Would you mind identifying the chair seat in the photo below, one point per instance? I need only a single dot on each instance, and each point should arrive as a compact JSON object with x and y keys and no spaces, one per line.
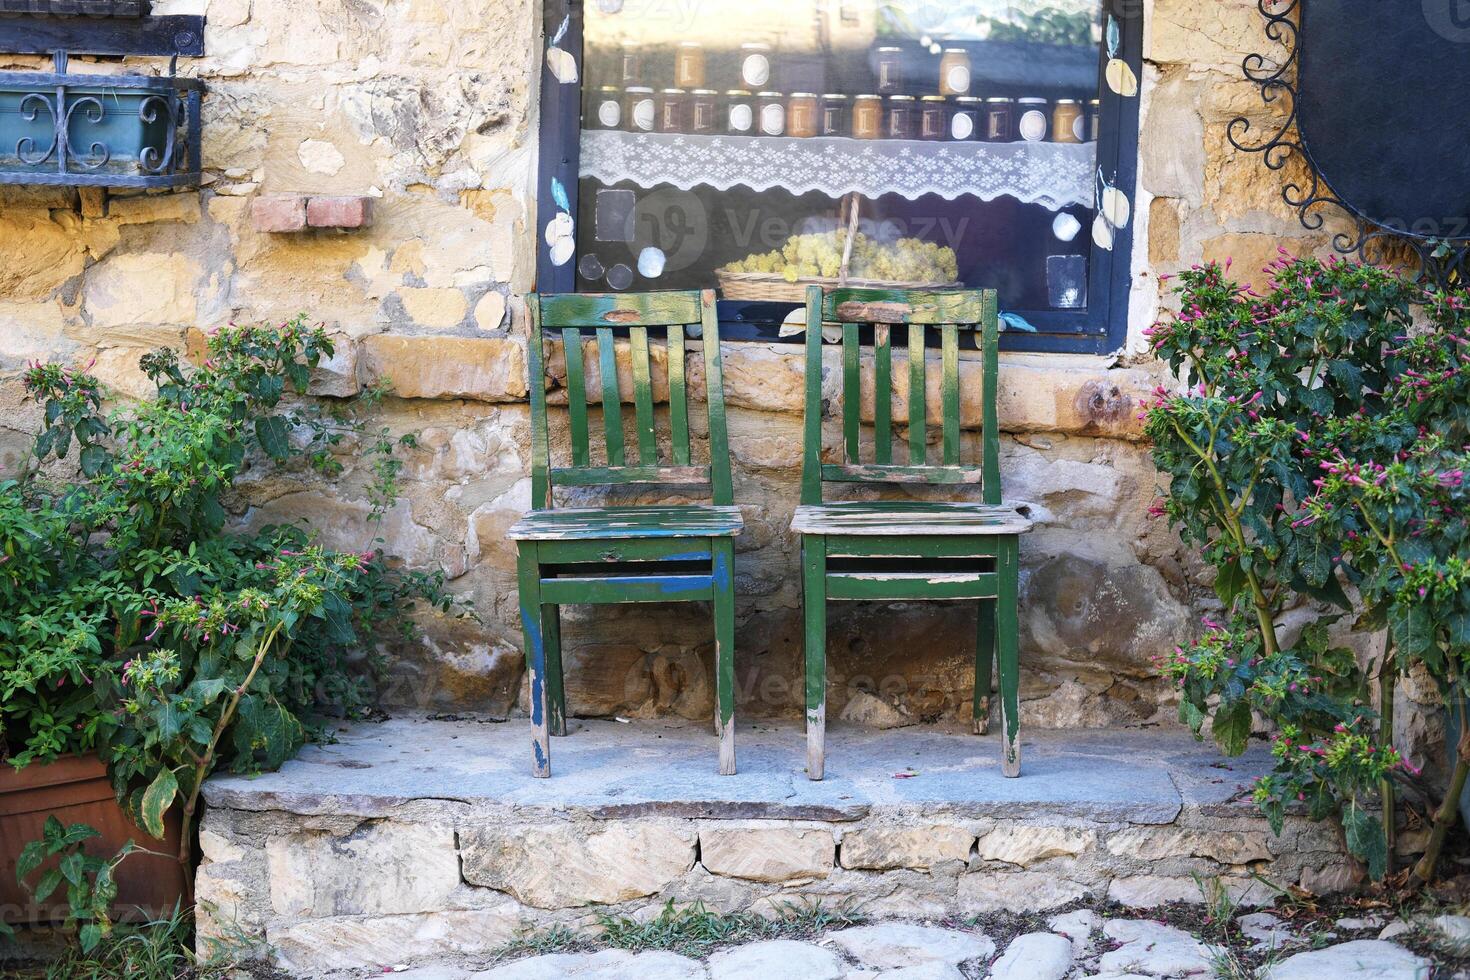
{"x":908,"y":517}
{"x":599,"y":523}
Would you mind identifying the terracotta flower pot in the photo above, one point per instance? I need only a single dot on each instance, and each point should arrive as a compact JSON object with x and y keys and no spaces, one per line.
{"x":76,"y":790}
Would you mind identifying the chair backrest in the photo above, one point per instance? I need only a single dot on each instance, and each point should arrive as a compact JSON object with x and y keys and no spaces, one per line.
{"x":608,"y":321}
{"x":950,"y":313}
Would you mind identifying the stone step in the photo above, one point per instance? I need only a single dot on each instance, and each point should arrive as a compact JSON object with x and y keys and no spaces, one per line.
{"x":416,"y":839}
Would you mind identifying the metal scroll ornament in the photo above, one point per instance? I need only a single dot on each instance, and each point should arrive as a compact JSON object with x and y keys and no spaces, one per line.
{"x":1440,"y":254}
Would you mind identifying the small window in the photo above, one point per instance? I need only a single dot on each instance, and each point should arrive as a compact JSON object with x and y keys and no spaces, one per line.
{"x":760,"y":145}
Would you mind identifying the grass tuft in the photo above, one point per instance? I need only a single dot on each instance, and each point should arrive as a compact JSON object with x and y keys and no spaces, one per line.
{"x":696,"y":932}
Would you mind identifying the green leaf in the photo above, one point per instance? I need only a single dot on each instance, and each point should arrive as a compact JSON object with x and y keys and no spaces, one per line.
{"x":272,"y":433}
{"x":1365,"y":841}
{"x":1191,"y":715}
{"x":265,"y":733}
{"x":1229,"y":580}
{"x":1412,"y":628}
{"x":1459,"y":626}
{"x":72,"y":867}
{"x":90,"y":935}
{"x":105,"y":889}
{"x":30,"y":859}
{"x":48,"y":883}
{"x":94,"y":458}
{"x":1233,"y":727}
{"x":157,"y":798}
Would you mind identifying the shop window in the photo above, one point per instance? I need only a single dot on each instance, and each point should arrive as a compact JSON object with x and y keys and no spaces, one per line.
{"x":759,"y":145}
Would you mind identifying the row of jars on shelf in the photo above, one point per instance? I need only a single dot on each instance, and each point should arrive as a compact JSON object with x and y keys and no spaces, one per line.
{"x":999,"y":119}
{"x":758,"y":68}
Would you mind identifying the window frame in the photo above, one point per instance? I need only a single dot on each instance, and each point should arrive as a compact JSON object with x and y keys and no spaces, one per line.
{"x":1100,"y":329}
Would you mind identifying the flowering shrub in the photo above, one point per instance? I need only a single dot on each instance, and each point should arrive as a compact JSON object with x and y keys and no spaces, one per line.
{"x":1322,"y":440}
{"x":139,"y":625}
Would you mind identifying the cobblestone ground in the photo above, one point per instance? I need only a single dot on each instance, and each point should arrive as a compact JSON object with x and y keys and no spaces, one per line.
{"x":1070,"y":946}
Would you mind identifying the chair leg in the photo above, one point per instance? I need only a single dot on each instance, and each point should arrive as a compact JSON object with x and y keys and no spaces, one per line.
{"x":814,"y":606}
{"x":984,"y":665}
{"x":1007,"y":633}
{"x":529,"y":574}
{"x":724,"y":603}
{"x":556,"y":698}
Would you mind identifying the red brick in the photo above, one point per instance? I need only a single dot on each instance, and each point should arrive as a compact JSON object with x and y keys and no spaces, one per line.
{"x":275,"y":213}
{"x":339,"y":212}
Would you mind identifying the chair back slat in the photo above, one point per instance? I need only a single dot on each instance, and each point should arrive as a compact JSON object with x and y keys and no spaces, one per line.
{"x":612,"y":402}
{"x":643,"y":396}
{"x":949,"y":314}
{"x":917,"y":413}
{"x":852,"y":395}
{"x":721,"y":488}
{"x":882,"y":395}
{"x":678,"y":398}
{"x":606,"y":320}
{"x":989,"y":417}
{"x":950,"y":392}
{"x":576,"y":396}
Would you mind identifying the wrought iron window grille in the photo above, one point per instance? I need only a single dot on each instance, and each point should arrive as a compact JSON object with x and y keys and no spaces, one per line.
{"x":1443,"y":259}
{"x":80,"y":130}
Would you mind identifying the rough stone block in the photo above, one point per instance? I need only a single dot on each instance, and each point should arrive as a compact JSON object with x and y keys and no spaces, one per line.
{"x":380,"y":868}
{"x":886,"y":848}
{"x":1025,"y":845}
{"x":567,"y":865}
{"x":1029,"y":891}
{"x":767,"y":853}
{"x":378,"y":942}
{"x":339,"y":212}
{"x":487,"y":369}
{"x":278,"y":213}
{"x":1158,"y":843}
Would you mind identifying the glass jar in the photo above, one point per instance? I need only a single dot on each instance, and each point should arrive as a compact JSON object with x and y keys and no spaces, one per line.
{"x":672,"y":110}
{"x":1031,"y":119}
{"x":1094,"y":119}
{"x":755,"y":66}
{"x":834,"y":115}
{"x":933,"y":117}
{"x":801,"y":115}
{"x":867,"y":117}
{"x":888,"y":70}
{"x":607,"y":107}
{"x":638,"y":114}
{"x":954,"y":72}
{"x":999,"y":124}
{"x":899,"y":122}
{"x":964,"y":118}
{"x":1068,"y":121}
{"x":632,"y":70}
{"x":703,"y":114}
{"x":739,"y":112}
{"x":689,"y":65}
{"x":770,"y":109}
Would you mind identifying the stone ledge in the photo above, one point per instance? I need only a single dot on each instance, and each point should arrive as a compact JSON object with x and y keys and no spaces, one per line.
{"x":1072,"y":396}
{"x":486,"y":369}
{"x":455,"y":848}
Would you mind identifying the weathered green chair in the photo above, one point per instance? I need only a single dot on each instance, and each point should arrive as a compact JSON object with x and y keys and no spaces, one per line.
{"x":913,"y":549}
{"x":616,"y":554}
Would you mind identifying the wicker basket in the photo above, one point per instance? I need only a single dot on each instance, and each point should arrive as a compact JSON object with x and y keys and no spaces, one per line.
{"x":773,"y":288}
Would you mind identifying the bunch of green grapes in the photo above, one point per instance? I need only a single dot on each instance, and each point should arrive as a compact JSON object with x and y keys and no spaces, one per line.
{"x":820,"y":254}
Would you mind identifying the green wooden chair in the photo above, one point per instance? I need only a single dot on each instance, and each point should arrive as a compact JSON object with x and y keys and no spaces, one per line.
{"x":912,"y":549}
{"x":615,"y":554}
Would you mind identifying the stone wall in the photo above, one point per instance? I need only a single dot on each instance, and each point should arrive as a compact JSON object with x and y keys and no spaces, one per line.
{"x":428,"y":107}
